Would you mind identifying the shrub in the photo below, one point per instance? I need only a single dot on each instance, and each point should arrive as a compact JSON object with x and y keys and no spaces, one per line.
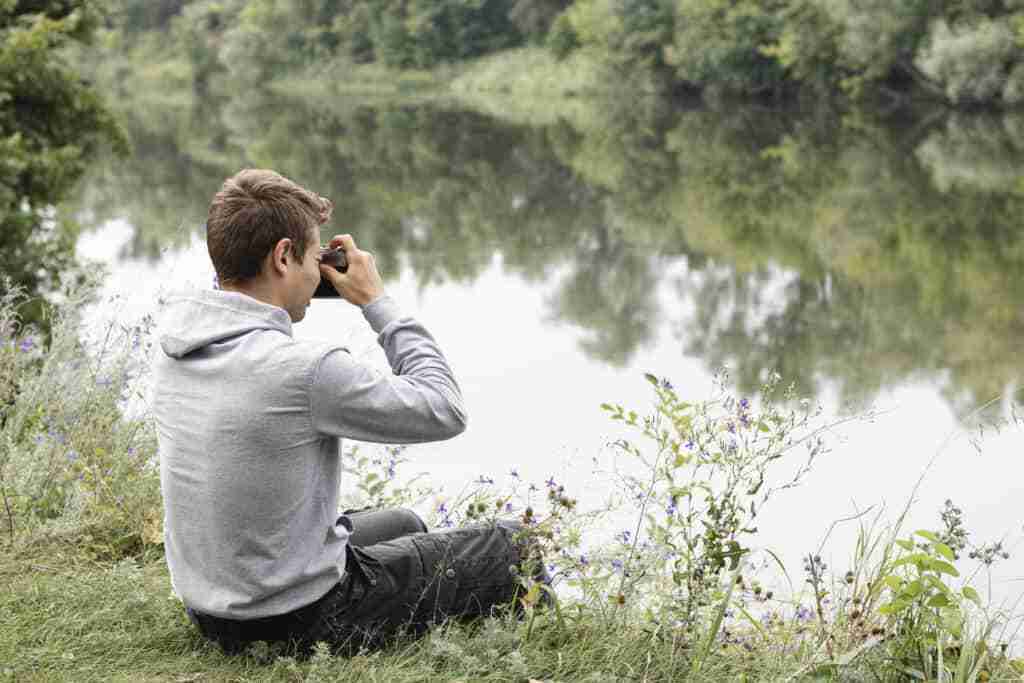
{"x":68,"y":452}
{"x":970,"y":63}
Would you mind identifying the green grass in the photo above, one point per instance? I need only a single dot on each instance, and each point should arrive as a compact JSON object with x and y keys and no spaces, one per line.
{"x":71,"y":618}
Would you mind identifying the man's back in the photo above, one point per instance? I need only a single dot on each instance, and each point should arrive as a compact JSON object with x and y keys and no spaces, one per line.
{"x":249,"y":420}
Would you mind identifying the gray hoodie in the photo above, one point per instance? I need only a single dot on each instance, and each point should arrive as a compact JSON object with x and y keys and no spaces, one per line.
{"x":249,"y":422}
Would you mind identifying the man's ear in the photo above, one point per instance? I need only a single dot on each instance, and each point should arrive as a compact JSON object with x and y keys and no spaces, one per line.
{"x":279,"y":256}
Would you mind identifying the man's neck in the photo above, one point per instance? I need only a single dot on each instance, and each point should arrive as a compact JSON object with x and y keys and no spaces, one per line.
{"x":257,"y":289}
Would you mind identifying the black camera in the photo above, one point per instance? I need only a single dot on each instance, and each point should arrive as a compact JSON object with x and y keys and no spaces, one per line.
{"x":336,"y":259}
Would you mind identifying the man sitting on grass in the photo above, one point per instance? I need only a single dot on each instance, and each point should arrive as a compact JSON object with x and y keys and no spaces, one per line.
{"x":250,"y":422}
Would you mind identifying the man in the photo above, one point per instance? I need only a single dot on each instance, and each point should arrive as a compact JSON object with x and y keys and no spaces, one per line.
{"x":249,"y":424}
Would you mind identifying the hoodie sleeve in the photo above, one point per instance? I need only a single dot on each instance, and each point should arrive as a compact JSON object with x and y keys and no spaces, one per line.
{"x":420,"y":402}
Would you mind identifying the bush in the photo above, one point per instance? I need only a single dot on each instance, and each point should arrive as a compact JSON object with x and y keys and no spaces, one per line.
{"x":970,"y":63}
{"x":68,"y":453}
{"x":562,"y":39}
{"x":722,"y":43}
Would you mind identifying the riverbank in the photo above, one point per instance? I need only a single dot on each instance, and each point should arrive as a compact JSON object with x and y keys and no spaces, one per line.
{"x":71,"y":617}
{"x":525,"y":86}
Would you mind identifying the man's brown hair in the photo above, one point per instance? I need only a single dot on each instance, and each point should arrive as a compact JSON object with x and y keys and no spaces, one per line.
{"x":252,"y":212}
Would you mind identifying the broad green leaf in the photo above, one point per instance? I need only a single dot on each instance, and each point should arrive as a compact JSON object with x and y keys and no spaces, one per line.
{"x":916,"y":558}
{"x":651,"y":378}
{"x":906,"y":545}
{"x":972,"y":595}
{"x":944,"y":568}
{"x":939,"y":600}
{"x":945,"y":551}
{"x":894,"y":582}
{"x":929,"y":535}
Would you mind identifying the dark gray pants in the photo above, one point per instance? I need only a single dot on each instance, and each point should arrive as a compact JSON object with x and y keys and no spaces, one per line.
{"x":399,"y":579}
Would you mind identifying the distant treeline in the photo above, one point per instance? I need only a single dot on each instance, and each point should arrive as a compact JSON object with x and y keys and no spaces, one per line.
{"x":965,"y":52}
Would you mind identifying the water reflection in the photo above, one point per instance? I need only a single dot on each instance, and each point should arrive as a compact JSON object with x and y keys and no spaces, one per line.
{"x":852,"y":254}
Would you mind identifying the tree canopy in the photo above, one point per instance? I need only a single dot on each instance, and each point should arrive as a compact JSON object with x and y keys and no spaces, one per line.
{"x":52,"y":123}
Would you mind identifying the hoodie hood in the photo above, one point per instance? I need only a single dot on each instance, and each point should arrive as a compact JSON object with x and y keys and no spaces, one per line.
{"x":197,"y":319}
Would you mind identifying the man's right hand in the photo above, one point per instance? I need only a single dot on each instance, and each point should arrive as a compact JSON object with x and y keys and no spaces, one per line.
{"x":360,"y":284}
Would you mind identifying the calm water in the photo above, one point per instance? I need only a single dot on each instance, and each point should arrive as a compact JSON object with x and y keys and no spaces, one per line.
{"x":557,"y":260}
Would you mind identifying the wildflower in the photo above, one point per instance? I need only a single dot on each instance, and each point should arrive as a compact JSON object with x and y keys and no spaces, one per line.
{"x":665,"y":384}
{"x":442,"y":509}
{"x":584,"y":561}
{"x":689,"y":445}
{"x":625,"y":536}
{"x":508,"y":507}
{"x":671,"y":510}
{"x":744,"y":404}
{"x":551,"y":483}
{"x":804,"y":613}
{"x":72,"y":455}
{"x":617,"y":565}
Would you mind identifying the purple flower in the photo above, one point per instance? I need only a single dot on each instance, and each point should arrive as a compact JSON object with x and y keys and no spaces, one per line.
{"x":442,"y":509}
{"x":72,"y":455}
{"x":689,"y":445}
{"x":27,"y":344}
{"x":617,"y":565}
{"x":671,"y":509}
{"x":583,"y":560}
{"x":804,"y":613}
{"x":551,"y":483}
{"x":625,"y":536}
{"x":508,"y":507}
{"x":744,"y":404}
{"x":513,"y":473}
{"x":216,"y":281}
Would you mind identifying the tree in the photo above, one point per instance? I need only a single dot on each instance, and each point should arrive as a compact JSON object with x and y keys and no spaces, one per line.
{"x":52,"y":124}
{"x":534,"y":17}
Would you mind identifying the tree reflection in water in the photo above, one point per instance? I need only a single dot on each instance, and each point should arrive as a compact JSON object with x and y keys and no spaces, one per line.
{"x":842,"y":250}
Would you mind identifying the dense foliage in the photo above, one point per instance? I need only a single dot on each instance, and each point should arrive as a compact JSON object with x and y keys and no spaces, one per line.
{"x":964,"y":52}
{"x":51,"y":126}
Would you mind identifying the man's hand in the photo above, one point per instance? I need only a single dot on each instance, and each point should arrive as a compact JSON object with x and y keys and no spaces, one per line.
{"x":361,"y":283}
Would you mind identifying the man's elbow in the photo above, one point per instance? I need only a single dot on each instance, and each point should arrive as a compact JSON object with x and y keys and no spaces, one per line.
{"x":457,"y":421}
